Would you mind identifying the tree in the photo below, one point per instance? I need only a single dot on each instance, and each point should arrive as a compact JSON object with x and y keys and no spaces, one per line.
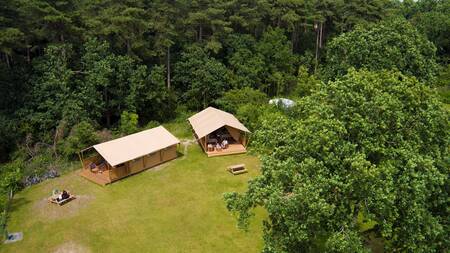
{"x":128,"y":123}
{"x":247,"y":66}
{"x":372,"y":145}
{"x":279,"y":62}
{"x":200,"y":78}
{"x":392,"y":44}
{"x":123,"y":24}
{"x":81,"y":136}
{"x":52,"y":98}
{"x":235,"y":98}
{"x":432,"y":19}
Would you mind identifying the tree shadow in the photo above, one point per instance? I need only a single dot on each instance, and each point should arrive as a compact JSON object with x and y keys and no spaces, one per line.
{"x":17,"y":202}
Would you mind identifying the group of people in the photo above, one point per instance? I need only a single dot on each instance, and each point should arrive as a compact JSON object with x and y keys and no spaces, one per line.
{"x":218,"y":146}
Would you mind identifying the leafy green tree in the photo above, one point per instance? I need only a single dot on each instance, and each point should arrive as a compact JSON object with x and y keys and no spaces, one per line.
{"x":207,"y":22}
{"x":246,"y":65}
{"x":128,"y":123}
{"x":200,"y":78}
{"x":431,"y":18}
{"x":81,"y":136}
{"x":392,"y":44}
{"x":279,"y":62}
{"x":306,"y":83}
{"x":235,"y":98}
{"x":157,"y":101}
{"x":371,"y":144}
{"x":123,"y":24}
{"x":52,"y":98}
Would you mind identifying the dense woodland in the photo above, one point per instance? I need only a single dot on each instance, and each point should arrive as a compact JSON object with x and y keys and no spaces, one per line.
{"x":369,"y":135}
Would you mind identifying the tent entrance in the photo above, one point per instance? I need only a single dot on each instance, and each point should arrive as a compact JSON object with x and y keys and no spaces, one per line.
{"x":224,"y":141}
{"x":94,"y":166}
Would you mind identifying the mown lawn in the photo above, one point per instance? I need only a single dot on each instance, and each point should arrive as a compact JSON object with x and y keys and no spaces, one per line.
{"x":176,"y":207}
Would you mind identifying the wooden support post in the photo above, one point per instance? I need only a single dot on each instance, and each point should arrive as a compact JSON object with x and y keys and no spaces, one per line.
{"x":81,"y":159}
{"x":109,"y":171}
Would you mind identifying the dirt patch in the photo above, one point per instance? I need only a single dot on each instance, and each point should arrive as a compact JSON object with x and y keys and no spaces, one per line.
{"x":52,"y":211}
{"x":186,"y":144}
{"x":71,"y":247}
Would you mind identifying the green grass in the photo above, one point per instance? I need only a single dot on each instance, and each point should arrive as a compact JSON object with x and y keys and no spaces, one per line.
{"x":177,"y":207}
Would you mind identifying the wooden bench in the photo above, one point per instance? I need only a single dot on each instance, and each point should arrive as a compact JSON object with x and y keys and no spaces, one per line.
{"x":237,"y":169}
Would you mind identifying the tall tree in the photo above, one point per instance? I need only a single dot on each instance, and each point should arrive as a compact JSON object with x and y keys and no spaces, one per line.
{"x":386,"y":45}
{"x":200,"y":78}
{"x":368,"y":151}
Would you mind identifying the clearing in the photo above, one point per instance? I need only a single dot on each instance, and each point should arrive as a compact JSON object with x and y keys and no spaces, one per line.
{"x":177,"y":207}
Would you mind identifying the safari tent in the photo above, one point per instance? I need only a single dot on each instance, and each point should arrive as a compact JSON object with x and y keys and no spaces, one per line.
{"x":213,"y":127}
{"x":107,"y":162}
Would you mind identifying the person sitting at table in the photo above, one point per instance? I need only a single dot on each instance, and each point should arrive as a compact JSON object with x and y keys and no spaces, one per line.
{"x":218,"y":147}
{"x":64,"y":195}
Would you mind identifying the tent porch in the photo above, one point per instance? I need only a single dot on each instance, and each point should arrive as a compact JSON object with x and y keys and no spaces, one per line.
{"x":237,"y":141}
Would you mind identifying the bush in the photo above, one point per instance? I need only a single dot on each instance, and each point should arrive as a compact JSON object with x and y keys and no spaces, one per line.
{"x":152,"y":124}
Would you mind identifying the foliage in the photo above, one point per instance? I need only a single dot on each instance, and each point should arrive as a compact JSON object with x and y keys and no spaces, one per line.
{"x":81,"y":136}
{"x":306,"y":83}
{"x":11,"y":175}
{"x":431,"y":18}
{"x":200,"y":78}
{"x":245,"y":63}
{"x":391,"y":44}
{"x":128,"y":123}
{"x":235,"y":98}
{"x":371,"y":143}
{"x":267,"y":64}
{"x":278,"y":73}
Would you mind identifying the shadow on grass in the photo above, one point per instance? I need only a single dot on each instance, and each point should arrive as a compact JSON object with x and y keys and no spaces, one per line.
{"x":17,"y":202}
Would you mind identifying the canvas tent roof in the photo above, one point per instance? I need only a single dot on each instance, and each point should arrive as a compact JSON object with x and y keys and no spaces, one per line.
{"x":211,"y":119}
{"x":135,"y":145}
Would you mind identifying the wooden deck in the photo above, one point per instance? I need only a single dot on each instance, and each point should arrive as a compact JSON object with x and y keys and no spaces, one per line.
{"x":231,"y":150}
{"x":98,"y":178}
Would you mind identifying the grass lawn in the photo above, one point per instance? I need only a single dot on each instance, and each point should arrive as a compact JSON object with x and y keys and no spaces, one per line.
{"x":176,"y":207}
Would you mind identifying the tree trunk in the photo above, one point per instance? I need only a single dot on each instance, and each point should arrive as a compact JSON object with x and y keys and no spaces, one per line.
{"x":28,"y":55}
{"x":168,"y":67}
{"x":200,"y":33}
{"x":128,"y":46}
{"x":107,"y":114}
{"x":7,"y":60}
{"x":317,"y":50}
{"x":321,"y":35}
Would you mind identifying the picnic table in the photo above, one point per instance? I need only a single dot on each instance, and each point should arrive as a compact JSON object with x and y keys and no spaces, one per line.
{"x":237,"y":169}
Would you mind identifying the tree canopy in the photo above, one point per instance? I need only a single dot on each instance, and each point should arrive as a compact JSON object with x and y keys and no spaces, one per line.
{"x":386,"y":45}
{"x":371,"y":145}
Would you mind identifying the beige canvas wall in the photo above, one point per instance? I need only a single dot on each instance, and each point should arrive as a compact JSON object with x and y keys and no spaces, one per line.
{"x":234,"y":133}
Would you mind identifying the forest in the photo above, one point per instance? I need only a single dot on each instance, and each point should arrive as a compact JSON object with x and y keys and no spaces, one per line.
{"x":369,"y":133}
